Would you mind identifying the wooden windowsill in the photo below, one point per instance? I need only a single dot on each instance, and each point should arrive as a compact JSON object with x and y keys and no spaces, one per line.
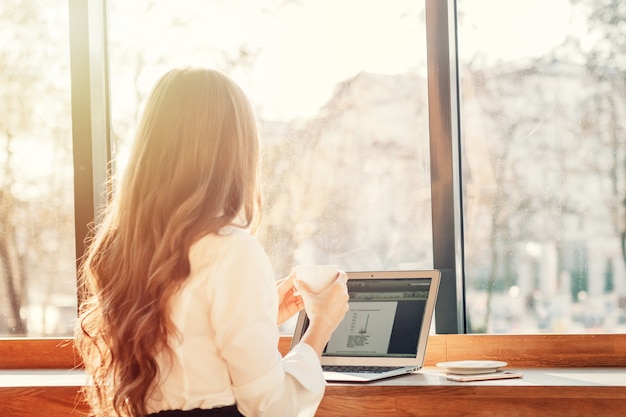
{"x":537,"y":350}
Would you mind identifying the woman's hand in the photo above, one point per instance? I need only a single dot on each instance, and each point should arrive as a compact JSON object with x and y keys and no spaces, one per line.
{"x":325,"y":310}
{"x":289,"y":303}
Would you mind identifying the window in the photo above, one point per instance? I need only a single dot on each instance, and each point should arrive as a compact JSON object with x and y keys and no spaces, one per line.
{"x":37,"y":251}
{"x":515,"y":189}
{"x":544,"y":165}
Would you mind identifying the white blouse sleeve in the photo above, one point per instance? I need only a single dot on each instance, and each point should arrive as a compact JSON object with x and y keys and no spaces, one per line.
{"x":244,"y":308}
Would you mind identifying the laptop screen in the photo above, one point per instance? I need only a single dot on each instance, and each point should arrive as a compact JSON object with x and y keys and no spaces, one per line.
{"x":384,"y":320}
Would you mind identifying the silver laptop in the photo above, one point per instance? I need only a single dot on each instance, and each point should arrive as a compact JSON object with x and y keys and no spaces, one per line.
{"x":384,"y":334}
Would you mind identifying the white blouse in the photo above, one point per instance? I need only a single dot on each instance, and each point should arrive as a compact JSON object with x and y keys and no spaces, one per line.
{"x":226,"y":351}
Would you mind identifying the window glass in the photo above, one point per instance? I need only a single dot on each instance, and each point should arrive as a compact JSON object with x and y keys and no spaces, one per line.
{"x":543,"y":128}
{"x":340,"y":92}
{"x":37,"y":249}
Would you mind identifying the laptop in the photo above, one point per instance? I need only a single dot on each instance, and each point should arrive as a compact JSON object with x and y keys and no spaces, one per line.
{"x":384,"y":334}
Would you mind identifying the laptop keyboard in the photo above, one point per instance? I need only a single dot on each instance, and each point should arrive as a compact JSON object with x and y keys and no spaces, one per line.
{"x":359,"y":369}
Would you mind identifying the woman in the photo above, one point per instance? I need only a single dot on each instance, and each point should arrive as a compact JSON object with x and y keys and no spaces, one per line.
{"x":181,"y":308}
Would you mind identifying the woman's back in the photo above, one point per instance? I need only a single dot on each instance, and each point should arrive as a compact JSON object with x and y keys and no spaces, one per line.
{"x":225,"y":310}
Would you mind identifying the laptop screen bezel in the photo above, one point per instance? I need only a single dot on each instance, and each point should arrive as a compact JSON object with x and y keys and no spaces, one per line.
{"x":417,"y":361}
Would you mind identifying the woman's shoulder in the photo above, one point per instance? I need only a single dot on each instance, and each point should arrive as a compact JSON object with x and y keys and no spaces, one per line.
{"x":228,"y":239}
{"x":231,"y":250}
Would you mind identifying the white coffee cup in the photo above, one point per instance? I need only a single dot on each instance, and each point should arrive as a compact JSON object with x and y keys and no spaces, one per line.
{"x":317,"y":277}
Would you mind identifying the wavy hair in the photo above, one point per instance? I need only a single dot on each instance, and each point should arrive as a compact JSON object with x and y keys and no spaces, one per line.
{"x":193,"y":170}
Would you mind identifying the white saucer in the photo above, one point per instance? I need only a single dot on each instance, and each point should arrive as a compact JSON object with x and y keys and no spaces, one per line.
{"x":471,"y":367}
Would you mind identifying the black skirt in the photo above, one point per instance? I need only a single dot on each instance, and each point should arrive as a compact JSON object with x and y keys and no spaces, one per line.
{"x":228,"y":411}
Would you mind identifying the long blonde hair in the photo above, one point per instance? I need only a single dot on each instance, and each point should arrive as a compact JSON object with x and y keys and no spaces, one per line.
{"x":192,"y":171}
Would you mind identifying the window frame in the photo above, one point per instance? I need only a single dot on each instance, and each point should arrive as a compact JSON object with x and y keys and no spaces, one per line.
{"x":445,"y":164}
{"x":91,"y":126}
{"x":92,"y":155}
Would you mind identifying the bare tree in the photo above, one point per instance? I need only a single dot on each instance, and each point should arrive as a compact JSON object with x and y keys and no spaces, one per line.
{"x":496,"y":189}
{"x":606,"y":61}
{"x":12,"y":272}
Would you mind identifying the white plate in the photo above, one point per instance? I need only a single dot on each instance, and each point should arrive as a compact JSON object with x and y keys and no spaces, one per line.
{"x":471,"y":367}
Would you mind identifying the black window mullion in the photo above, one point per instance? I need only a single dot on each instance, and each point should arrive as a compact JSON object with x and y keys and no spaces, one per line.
{"x":445,"y":164}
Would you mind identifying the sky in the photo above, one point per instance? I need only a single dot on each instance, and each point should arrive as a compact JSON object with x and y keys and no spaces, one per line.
{"x":508,"y":30}
{"x":303,"y":49}
{"x":513,"y":29}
